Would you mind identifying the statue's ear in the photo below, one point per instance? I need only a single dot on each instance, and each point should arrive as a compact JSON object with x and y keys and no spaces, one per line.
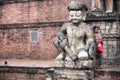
{"x":84,"y":15}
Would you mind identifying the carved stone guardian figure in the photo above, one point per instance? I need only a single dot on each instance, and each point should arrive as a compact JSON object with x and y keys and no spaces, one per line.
{"x":75,"y":37}
{"x":75,"y":44}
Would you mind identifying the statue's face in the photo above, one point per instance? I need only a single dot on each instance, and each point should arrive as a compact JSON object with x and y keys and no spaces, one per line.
{"x":76,"y":16}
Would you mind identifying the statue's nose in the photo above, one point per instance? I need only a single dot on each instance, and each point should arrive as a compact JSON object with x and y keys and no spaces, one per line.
{"x":73,"y":17}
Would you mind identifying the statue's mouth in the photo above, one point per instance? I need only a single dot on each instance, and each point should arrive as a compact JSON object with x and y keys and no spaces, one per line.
{"x":75,"y":21}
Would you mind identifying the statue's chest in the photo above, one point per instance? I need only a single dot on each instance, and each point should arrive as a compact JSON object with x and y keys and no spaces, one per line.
{"x":75,"y":32}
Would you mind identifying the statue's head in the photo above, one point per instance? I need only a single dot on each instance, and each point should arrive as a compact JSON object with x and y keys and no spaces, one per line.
{"x":77,"y":11}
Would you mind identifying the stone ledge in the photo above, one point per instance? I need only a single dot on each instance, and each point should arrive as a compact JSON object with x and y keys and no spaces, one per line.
{"x":109,"y":72}
{"x":22,"y":70}
{"x":15,"y":1}
{"x":31,"y":25}
{"x":21,"y":73}
{"x":30,"y":63}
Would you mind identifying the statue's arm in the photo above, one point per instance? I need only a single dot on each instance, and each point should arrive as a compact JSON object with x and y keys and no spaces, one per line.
{"x":89,"y":37}
{"x":63,"y":37}
{"x":63,"y":29}
{"x":59,"y":40}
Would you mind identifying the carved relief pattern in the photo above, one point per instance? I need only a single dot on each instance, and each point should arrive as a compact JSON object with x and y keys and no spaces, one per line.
{"x":107,"y":27}
{"x":112,"y":48}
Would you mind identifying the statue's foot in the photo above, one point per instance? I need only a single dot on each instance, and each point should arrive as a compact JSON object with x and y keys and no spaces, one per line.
{"x":60,"y":57}
{"x":108,"y":11}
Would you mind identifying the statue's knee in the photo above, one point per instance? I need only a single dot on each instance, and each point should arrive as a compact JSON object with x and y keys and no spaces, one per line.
{"x":82,"y":55}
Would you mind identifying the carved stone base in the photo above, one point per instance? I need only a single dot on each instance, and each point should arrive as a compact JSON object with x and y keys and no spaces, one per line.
{"x":64,"y":73}
{"x":77,"y":64}
{"x":73,"y":70}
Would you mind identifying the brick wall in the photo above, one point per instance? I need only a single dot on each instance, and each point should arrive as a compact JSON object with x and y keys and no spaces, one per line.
{"x":37,"y":11}
{"x":22,"y":73}
{"x":16,"y":43}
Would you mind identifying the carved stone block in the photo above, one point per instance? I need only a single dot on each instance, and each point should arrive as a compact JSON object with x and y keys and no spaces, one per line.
{"x":85,"y":64}
{"x":59,"y":63}
{"x":67,"y":73}
{"x":77,"y":64}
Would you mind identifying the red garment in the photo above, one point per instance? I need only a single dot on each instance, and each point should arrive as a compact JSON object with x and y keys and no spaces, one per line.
{"x":98,"y":39}
{"x":99,"y":48}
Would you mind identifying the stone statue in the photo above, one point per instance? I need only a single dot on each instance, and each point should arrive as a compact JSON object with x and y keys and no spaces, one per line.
{"x":96,"y":5}
{"x":104,"y":5}
{"x":117,"y":6}
{"x":75,"y":44}
{"x":75,"y":37}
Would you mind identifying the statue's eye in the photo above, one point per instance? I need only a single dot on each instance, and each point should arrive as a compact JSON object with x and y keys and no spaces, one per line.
{"x":77,"y":14}
{"x":72,"y":15}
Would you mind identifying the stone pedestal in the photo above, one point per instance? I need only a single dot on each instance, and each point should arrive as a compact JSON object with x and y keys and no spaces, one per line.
{"x":73,"y":74}
{"x":69,"y":70}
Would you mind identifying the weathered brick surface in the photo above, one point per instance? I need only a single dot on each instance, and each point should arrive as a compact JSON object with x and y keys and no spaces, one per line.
{"x":37,"y":11}
{"x":15,"y":43}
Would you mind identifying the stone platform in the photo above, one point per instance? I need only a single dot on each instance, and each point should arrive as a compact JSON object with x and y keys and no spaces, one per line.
{"x":69,"y":74}
{"x":69,"y":70}
{"x":109,"y":72}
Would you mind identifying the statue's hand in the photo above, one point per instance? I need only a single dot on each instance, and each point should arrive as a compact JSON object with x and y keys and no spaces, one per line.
{"x":87,"y":48}
{"x":63,"y":43}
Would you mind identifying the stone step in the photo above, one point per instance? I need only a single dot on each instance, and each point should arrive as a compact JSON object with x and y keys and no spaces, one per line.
{"x":104,"y":79}
{"x":108,"y":73}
